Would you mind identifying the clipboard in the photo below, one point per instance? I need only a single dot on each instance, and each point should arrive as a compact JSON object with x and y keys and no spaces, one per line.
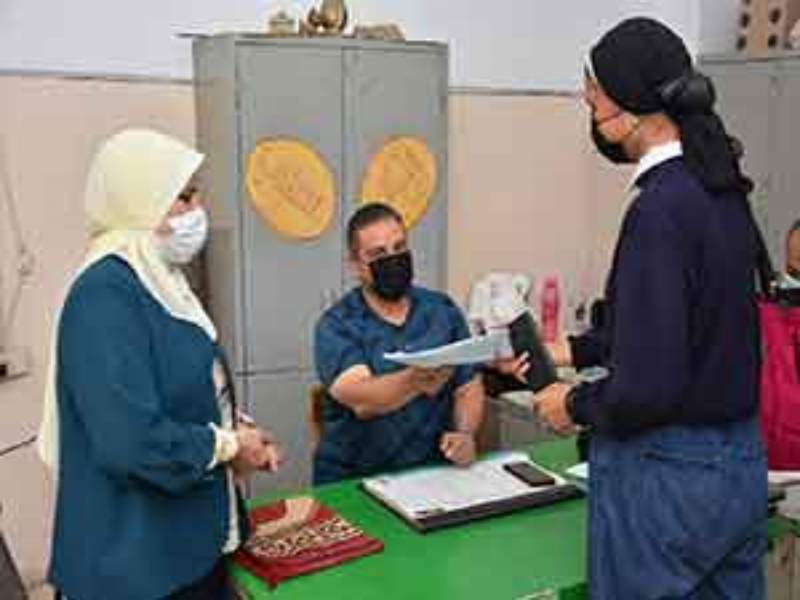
{"x":434,"y":498}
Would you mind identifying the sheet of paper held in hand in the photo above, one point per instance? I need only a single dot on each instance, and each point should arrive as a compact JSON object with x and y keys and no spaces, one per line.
{"x":448,"y":488}
{"x":470,"y":351}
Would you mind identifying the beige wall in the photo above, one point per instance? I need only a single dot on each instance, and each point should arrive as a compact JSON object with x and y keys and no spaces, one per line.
{"x":50,"y":129}
{"x":526,"y":194}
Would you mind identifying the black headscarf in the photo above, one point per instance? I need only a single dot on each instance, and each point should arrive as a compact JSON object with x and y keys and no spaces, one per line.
{"x":645,"y":68}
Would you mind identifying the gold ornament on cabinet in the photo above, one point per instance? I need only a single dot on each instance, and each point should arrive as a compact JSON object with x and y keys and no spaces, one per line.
{"x":291,"y":187}
{"x":329,"y":19}
{"x":403,"y":174}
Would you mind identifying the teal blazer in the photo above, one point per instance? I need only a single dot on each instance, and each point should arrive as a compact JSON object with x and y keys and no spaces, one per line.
{"x":138,"y":513}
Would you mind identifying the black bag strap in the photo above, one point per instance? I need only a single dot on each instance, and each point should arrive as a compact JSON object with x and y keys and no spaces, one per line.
{"x":765,"y":273}
{"x":767,"y":278}
{"x":230,"y":382}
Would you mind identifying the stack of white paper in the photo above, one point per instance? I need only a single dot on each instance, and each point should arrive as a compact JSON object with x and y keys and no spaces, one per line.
{"x":474,"y":350}
{"x":443,"y":489}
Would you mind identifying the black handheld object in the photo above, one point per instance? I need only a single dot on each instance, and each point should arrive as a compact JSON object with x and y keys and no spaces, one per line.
{"x":528,"y":473}
{"x":524,"y":337}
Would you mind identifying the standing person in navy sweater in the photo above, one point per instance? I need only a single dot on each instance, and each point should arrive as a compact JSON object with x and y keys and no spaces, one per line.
{"x":140,"y":428}
{"x":678,"y":487}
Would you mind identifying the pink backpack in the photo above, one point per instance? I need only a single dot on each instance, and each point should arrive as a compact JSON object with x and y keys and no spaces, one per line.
{"x":779,"y":312}
{"x":780,"y":382}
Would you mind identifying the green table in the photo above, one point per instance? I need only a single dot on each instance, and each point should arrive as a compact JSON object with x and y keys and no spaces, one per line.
{"x":536,"y":554}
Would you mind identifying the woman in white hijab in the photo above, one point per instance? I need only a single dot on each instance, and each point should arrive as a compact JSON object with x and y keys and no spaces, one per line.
{"x":140,"y":428}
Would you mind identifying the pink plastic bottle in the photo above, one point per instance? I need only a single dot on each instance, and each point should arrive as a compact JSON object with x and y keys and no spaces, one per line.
{"x":549,"y":309}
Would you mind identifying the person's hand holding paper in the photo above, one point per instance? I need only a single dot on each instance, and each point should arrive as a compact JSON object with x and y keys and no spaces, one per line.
{"x":430,"y":381}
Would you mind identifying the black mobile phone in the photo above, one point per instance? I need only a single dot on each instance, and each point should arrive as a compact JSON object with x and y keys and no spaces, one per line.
{"x":524,"y":337}
{"x":528,"y":473}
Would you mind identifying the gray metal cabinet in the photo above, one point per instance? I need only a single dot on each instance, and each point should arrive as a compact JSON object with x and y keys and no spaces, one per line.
{"x":279,"y":400}
{"x":787,"y":152}
{"x":399,"y":93}
{"x":346,"y":99}
{"x":759,"y":101}
{"x":295,"y":93}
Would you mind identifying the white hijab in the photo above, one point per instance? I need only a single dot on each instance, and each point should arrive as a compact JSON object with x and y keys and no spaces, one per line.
{"x":133,"y":181}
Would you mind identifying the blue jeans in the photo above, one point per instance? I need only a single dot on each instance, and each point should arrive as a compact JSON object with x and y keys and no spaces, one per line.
{"x":680,"y":513}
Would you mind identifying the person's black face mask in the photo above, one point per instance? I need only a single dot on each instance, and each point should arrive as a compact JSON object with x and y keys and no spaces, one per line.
{"x":613,"y":151}
{"x":392,"y":275}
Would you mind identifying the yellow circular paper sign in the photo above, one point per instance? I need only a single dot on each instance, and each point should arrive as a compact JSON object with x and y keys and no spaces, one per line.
{"x":291,"y":187}
{"x":402,"y":174}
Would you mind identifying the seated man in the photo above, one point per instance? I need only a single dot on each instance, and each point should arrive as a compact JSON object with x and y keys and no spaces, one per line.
{"x":381,"y":416}
{"x":791,"y":277}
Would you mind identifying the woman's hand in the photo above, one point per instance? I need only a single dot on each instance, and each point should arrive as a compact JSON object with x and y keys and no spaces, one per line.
{"x":551,"y":406}
{"x":257,"y":451}
{"x":275,"y":456}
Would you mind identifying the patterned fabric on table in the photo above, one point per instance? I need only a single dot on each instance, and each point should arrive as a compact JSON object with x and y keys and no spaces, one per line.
{"x":299,"y":536}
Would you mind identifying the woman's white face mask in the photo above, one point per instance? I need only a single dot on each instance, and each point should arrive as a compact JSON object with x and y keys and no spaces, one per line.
{"x":188,"y":236}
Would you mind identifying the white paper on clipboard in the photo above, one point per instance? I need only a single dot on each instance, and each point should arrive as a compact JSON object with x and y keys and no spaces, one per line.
{"x":474,"y":350}
{"x":447,"y":488}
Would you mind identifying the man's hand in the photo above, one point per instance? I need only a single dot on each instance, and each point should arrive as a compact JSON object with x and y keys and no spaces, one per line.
{"x":430,"y":381}
{"x":458,"y":448}
{"x":551,"y":406}
{"x":517,"y":367}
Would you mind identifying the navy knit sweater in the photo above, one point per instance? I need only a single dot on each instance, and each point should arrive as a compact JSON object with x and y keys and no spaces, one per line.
{"x":680,"y":339}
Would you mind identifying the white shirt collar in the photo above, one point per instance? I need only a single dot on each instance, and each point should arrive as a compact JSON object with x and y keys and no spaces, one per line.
{"x":655,"y":156}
